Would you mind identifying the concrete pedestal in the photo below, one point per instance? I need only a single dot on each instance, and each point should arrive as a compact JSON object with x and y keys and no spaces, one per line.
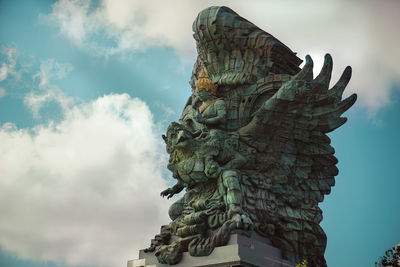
{"x":240,"y":251}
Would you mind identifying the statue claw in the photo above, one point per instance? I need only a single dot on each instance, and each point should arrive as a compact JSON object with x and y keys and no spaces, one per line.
{"x":242,"y":222}
{"x":167,"y":193}
{"x":240,"y":219}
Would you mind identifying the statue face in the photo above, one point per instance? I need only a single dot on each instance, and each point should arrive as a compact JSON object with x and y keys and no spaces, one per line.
{"x":204,"y":95}
{"x":177,"y":137}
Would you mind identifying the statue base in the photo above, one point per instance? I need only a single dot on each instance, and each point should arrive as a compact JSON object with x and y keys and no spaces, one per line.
{"x":240,"y":251}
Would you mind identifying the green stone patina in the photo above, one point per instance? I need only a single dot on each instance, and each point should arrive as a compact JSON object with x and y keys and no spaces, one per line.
{"x":254,"y":156}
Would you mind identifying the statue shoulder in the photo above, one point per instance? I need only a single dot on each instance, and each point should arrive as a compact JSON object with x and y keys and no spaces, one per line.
{"x":220,"y":102}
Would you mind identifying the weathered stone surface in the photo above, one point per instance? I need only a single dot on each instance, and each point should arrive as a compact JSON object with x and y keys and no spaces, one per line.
{"x":250,"y":147}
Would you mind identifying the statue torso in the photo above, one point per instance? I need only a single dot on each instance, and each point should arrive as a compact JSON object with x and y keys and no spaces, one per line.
{"x":190,"y":169}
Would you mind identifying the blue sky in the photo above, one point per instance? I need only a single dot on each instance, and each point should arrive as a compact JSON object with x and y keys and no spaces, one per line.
{"x":87,"y":87}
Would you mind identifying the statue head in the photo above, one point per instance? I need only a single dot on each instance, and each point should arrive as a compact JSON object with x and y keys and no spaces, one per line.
{"x":178,"y":137}
{"x":204,"y":83}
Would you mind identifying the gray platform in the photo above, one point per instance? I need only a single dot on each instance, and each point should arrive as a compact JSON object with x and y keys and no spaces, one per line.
{"x":240,"y":251}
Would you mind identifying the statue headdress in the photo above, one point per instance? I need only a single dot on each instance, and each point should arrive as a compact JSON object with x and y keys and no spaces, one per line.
{"x":204,"y":82}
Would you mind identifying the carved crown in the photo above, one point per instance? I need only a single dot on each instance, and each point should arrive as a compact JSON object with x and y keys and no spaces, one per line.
{"x":204,"y":82}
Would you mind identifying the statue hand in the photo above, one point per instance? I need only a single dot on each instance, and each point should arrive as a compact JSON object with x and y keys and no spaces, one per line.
{"x":167,"y":193}
{"x":199,"y":118}
{"x":213,"y":169}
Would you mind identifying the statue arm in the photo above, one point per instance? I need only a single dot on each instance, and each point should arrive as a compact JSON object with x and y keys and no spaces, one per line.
{"x":236,"y":162}
{"x":177,"y":188}
{"x":220,"y":118}
{"x":213,"y":169}
{"x":195,"y":100}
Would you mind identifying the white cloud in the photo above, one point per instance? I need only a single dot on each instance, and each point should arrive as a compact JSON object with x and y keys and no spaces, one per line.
{"x":3,"y":72}
{"x":85,"y":190}
{"x":166,"y":110}
{"x":125,"y":26}
{"x":8,"y":55}
{"x":50,"y":70}
{"x":2,"y":92}
{"x":72,"y":19}
{"x":35,"y":101}
{"x":41,"y":86}
{"x":356,"y":33}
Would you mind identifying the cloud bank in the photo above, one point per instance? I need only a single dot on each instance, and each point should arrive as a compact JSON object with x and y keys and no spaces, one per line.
{"x":84,"y":190}
{"x":356,"y":33}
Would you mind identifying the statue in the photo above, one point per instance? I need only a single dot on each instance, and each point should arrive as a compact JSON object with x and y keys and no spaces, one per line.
{"x":250,"y":147}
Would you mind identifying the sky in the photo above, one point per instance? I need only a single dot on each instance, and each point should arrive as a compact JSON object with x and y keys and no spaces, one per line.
{"x":88,"y":87}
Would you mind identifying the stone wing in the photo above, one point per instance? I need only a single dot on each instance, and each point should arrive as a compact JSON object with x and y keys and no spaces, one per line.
{"x":296,"y":158}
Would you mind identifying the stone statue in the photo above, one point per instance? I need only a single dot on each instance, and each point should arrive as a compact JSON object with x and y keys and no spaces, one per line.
{"x":250,"y":147}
